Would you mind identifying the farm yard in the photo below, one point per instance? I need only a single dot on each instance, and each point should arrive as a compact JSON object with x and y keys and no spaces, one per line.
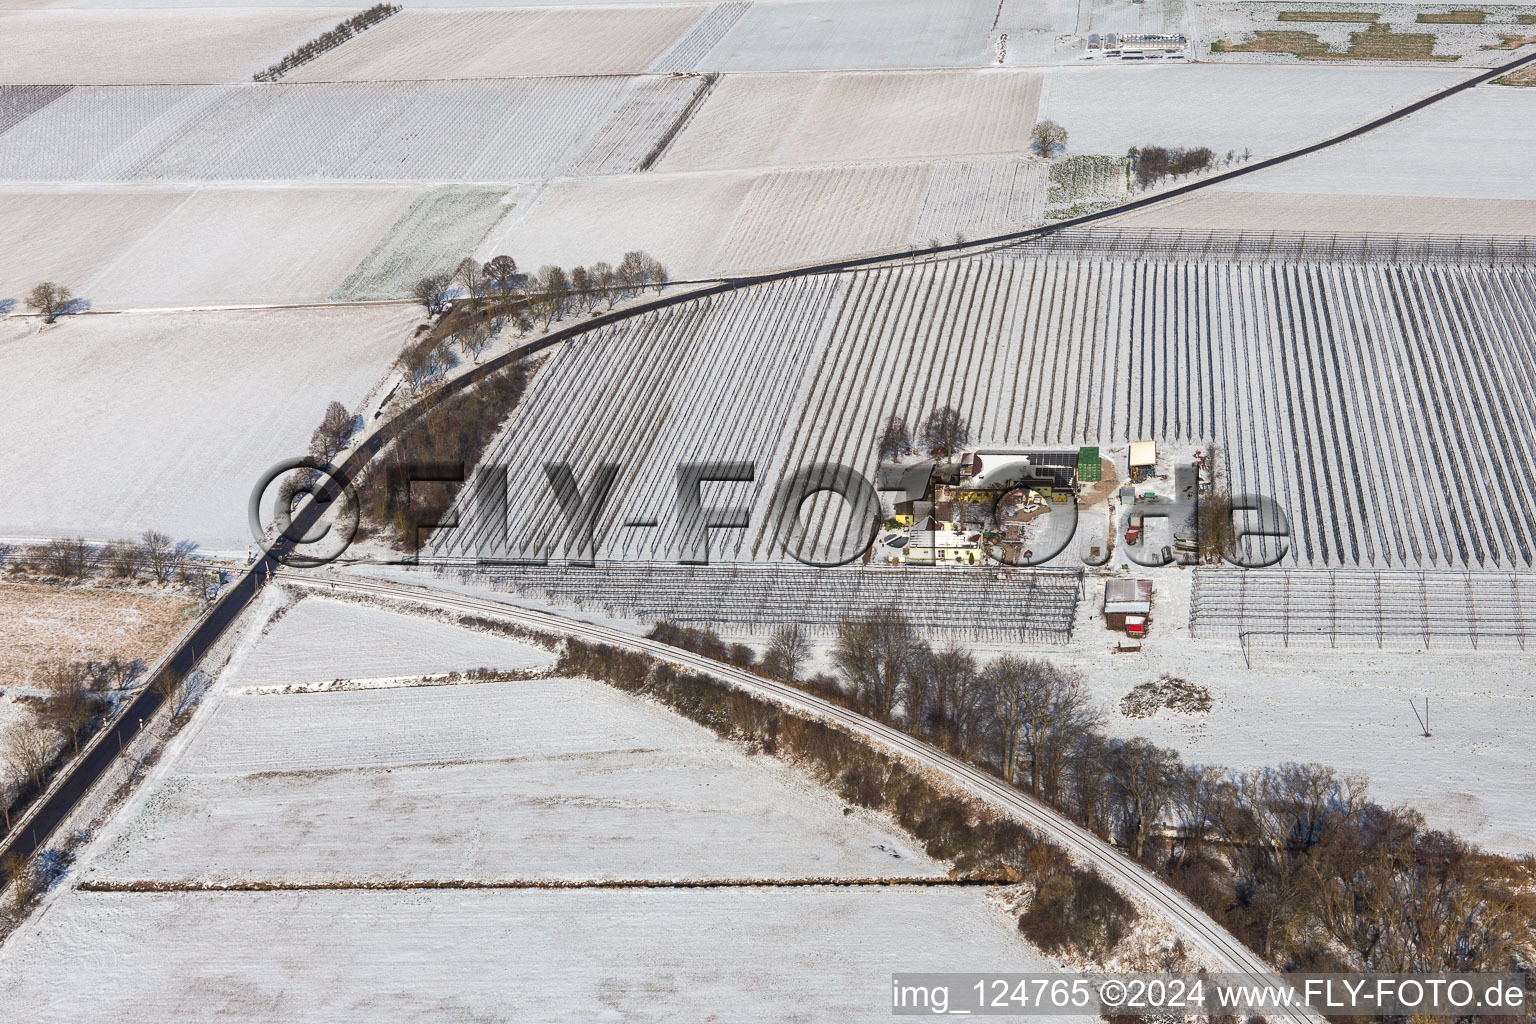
{"x":1377,"y":396}
{"x":172,"y":417}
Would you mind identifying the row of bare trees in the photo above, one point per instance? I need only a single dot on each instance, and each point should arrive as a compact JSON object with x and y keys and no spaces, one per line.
{"x":153,"y":556}
{"x":549,"y":294}
{"x":1296,"y":860}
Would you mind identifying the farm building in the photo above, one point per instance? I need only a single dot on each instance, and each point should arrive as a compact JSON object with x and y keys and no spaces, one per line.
{"x":1048,"y":472}
{"x":1143,"y":460}
{"x":932,"y":544}
{"x":1127,"y":605}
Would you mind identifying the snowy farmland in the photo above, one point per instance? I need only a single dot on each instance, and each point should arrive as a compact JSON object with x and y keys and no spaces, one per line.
{"x":346,"y":131}
{"x":171,"y":417}
{"x":1380,"y":403}
{"x":1226,"y":107}
{"x":358,"y":957}
{"x":152,"y":47}
{"x":425,"y":44}
{"x":705,"y":224}
{"x":785,"y":120}
{"x":514,"y":808}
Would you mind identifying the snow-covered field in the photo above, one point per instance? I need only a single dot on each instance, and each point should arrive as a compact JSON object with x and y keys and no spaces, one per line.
{"x":703,"y":224}
{"x":767,"y":955}
{"x":426,"y":44}
{"x":127,"y":248}
{"x":1480,"y":144}
{"x":143,"y":47}
{"x":319,"y":640}
{"x":783,"y":120}
{"x":485,"y":788}
{"x":367,"y":131}
{"x":1265,"y":109}
{"x":165,"y":421}
{"x":538,"y":780}
{"x":1345,"y":708}
{"x":787,"y":35}
{"x":1230,"y":209}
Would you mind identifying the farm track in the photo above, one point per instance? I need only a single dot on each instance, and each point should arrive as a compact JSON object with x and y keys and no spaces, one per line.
{"x":1223,"y":952}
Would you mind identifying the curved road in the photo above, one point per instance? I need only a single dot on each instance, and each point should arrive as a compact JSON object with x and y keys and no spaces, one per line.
{"x":1221,"y":951}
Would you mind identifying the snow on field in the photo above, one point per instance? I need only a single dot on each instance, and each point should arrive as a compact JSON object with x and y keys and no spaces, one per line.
{"x":791,"y":35}
{"x":783,"y":120}
{"x":839,"y":210}
{"x":433,"y":131}
{"x":681,"y":219}
{"x":1478,"y":144}
{"x":166,"y":420}
{"x":1228,"y":208}
{"x":427,"y":44}
{"x":638,"y":129}
{"x":707,"y":223}
{"x":540,"y":780}
{"x":1345,"y":708}
{"x":1268,"y":109}
{"x":137,"y":248}
{"x":439,"y":229}
{"x":768,"y":955}
{"x":319,"y":640}
{"x":109,"y":47}
{"x":701,"y":37}
{"x":981,"y":197}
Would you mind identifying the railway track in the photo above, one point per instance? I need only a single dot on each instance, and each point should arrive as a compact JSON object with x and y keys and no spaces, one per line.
{"x":1221,"y":951}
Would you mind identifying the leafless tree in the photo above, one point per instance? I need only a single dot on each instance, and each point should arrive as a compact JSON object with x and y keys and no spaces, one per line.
{"x":552,"y":293}
{"x":875,"y":652}
{"x":581,"y":289}
{"x":432,"y":292}
{"x":945,"y":431}
{"x":605,"y":280}
{"x":50,"y":299}
{"x":1143,"y":778}
{"x":17,"y":871}
{"x":184,"y":557}
{"x":1048,"y":139}
{"x":895,"y":438}
{"x":69,"y":706}
{"x":159,"y":554}
{"x":502,"y":270}
{"x":957,"y":698}
{"x":29,"y":751}
{"x":468,"y":275}
{"x":67,"y":558}
{"x":124,"y":559}
{"x":787,"y":650}
{"x":333,"y":433}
